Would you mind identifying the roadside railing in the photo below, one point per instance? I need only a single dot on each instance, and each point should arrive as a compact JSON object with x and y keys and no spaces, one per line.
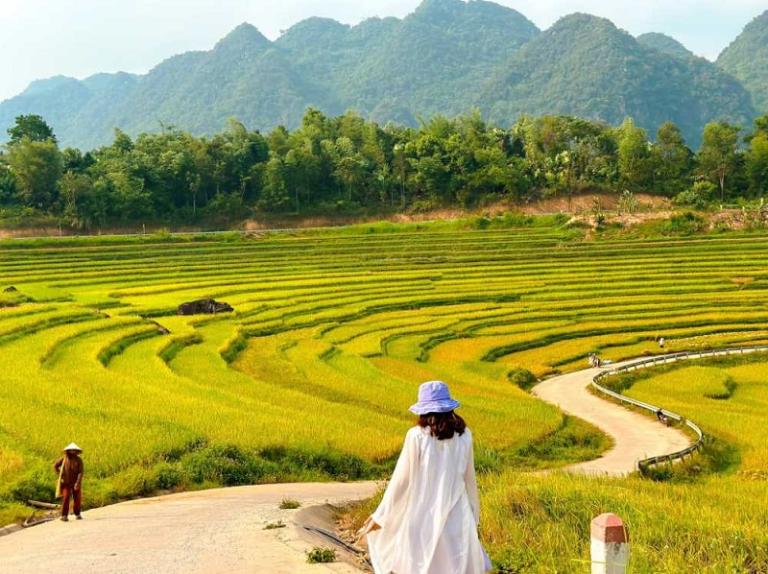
{"x":643,"y":465}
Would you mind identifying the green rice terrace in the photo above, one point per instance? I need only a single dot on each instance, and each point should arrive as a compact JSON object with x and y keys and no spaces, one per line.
{"x":311,"y":376}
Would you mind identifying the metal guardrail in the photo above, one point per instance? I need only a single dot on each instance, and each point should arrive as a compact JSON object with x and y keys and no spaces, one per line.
{"x":643,"y":465}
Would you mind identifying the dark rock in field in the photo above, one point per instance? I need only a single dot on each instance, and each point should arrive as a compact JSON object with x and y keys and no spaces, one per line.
{"x":10,"y":289}
{"x":204,"y":307}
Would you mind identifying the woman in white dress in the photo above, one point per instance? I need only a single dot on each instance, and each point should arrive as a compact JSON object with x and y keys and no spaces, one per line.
{"x":427,"y":521}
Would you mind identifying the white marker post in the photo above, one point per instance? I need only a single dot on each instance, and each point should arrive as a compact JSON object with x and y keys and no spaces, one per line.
{"x":610,"y":545}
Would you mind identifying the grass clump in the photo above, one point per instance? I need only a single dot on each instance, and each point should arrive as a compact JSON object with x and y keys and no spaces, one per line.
{"x":13,"y":513}
{"x":289,"y":504}
{"x":274,"y":525}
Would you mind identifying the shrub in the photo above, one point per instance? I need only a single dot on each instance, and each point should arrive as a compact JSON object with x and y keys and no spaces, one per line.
{"x":321,"y":555}
{"x":510,"y":219}
{"x":226,"y":465}
{"x":558,"y":219}
{"x":483,"y":222}
{"x":168,"y":476}
{"x":515,"y":219}
{"x":698,"y":196}
{"x":11,"y":513}
{"x":275,"y":525}
{"x":523,"y":378}
{"x":134,"y":481}
{"x":328,"y":463}
{"x":289,"y":504}
{"x":37,"y":485}
{"x":683,"y":224}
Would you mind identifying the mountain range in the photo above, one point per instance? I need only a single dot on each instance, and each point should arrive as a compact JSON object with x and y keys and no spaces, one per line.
{"x":447,"y":57}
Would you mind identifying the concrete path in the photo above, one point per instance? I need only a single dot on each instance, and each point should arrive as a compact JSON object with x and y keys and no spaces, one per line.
{"x":206,"y":532}
{"x":636,"y":436}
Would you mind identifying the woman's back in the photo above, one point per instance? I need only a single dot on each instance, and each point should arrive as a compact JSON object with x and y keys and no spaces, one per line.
{"x":429,"y":514}
{"x":439,"y":477}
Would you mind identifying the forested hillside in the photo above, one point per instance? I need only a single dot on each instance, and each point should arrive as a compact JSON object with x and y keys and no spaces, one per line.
{"x":433,"y":61}
{"x":747,"y":59}
{"x":587,"y":67}
{"x":447,"y":57}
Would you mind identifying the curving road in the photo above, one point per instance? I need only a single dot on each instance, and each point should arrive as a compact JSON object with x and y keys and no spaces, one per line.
{"x":635,"y":436}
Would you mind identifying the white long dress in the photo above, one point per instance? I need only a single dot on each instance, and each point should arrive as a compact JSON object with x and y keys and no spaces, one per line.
{"x":430,"y":510}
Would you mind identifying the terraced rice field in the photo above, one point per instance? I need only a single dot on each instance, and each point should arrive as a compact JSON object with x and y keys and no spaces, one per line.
{"x":728,"y":397}
{"x":331,"y":334}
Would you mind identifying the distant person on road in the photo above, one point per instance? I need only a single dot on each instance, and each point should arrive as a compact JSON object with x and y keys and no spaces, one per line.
{"x":427,"y":521}
{"x":69,"y":486}
{"x":663,"y":419}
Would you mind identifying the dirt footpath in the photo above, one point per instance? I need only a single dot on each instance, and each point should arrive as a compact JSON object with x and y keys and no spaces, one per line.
{"x":636,"y":436}
{"x":206,"y":532}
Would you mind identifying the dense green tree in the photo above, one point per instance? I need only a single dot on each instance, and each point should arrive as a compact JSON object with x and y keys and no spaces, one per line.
{"x":634,"y":157}
{"x":8,"y":192}
{"x":32,"y":127}
{"x":276,"y":195}
{"x":567,"y":154}
{"x":75,"y":160}
{"x":36,"y":167}
{"x":76,"y":189}
{"x":718,"y":156}
{"x":761,"y":125}
{"x":672,"y":161}
{"x":757,"y":164}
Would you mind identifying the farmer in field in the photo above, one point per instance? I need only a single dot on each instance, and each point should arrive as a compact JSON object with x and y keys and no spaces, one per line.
{"x":70,"y":469}
{"x":427,"y":521}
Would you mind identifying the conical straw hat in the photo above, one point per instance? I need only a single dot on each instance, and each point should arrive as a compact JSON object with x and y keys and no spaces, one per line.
{"x":72,"y":446}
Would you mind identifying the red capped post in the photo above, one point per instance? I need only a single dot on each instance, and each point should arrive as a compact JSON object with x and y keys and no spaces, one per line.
{"x":610,"y":545}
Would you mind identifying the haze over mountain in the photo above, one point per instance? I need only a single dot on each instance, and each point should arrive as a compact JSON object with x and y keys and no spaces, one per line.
{"x":446,"y":57}
{"x":665,"y":44}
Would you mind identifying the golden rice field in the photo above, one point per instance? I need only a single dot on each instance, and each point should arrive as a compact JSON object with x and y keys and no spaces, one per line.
{"x":312,"y":375}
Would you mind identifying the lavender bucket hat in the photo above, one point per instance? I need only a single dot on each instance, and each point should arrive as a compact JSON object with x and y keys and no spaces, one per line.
{"x":434,"y":397}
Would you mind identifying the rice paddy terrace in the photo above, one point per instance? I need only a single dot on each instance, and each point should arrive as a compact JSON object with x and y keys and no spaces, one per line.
{"x":331,"y":333}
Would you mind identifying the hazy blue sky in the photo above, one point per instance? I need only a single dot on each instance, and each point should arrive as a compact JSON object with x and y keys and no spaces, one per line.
{"x":42,"y":38}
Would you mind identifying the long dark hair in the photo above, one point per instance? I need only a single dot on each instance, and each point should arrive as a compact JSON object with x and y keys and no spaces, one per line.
{"x":443,"y":425}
